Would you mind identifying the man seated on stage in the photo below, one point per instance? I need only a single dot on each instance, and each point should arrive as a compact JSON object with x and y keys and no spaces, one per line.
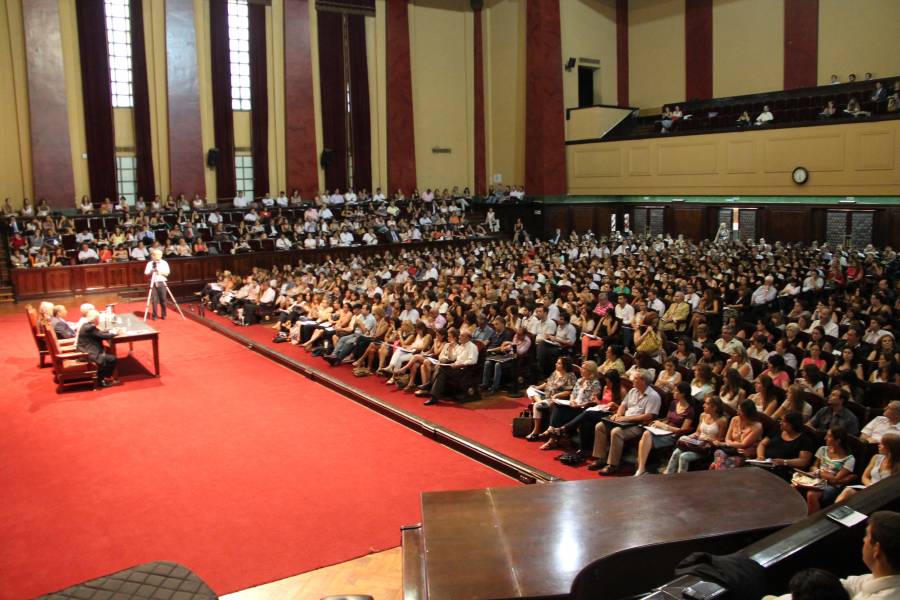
{"x":62,"y":328}
{"x":639,"y":407}
{"x":881,"y":554}
{"x":90,"y":341}
{"x":158,"y":270}
{"x":465,"y":355}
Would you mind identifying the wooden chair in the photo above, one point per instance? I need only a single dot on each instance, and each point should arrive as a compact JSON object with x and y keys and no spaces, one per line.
{"x":38,"y":334}
{"x":69,"y":368}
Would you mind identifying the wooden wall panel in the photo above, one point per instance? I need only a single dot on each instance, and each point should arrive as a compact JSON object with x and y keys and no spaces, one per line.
{"x":300,"y":123}
{"x":186,"y":153}
{"x":689,"y":221}
{"x":582,"y":218}
{"x":788,"y":224}
{"x":50,"y":150}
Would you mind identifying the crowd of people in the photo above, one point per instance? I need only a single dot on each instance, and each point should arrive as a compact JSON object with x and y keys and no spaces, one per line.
{"x":697,"y":354}
{"x":38,"y":237}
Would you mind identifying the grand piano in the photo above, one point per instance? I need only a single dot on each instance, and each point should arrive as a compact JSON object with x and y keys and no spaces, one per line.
{"x":533,"y":541}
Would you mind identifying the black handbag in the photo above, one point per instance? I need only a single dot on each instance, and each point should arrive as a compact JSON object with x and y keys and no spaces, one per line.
{"x":523,"y":424}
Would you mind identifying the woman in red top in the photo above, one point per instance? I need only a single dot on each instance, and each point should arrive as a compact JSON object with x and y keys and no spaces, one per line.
{"x":855,"y":271}
{"x":835,"y":275}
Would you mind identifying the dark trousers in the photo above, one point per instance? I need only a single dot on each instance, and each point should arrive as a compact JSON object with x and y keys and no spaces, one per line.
{"x":584,"y":424}
{"x":158,"y":298}
{"x":106,"y":365}
{"x":561,"y":415}
{"x":251,"y":310}
{"x":546,"y":357}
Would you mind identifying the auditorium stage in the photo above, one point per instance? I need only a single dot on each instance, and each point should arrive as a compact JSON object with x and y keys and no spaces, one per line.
{"x":228,"y":463}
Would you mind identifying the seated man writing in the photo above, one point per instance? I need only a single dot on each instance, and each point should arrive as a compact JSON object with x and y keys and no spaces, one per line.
{"x":465,"y":355}
{"x":90,"y":341}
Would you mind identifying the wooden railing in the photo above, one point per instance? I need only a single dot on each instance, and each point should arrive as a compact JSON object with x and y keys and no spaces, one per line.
{"x":125,"y":276}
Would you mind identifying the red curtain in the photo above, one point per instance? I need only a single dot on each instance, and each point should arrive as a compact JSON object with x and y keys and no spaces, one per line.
{"x":359,"y":103}
{"x":223,"y":121}
{"x":331,"y":81}
{"x":259,"y":93}
{"x":143,"y":146}
{"x":98,"y":113}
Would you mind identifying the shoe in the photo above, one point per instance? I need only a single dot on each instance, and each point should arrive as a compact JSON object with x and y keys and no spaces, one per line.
{"x":331,"y":359}
{"x":389,"y":381}
{"x":105,"y":383}
{"x":550,"y":444}
{"x":422,"y":393}
{"x":424,"y":386}
{"x":430,"y":402}
{"x":532,"y":437}
{"x":153,"y":317}
{"x":609,"y":470}
{"x":597,"y":465}
{"x":639,"y":473}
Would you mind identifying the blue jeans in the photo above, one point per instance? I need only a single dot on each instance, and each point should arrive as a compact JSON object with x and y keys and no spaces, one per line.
{"x":492,"y":374}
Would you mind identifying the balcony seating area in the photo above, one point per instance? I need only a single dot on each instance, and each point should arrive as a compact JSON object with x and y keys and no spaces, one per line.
{"x":790,"y":108}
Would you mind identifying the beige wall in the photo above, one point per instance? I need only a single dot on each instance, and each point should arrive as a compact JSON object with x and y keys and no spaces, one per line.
{"x":748,"y":46}
{"x":74,"y":99}
{"x":504,"y":74}
{"x":15,"y":146}
{"x":275,"y":73}
{"x":852,"y":159}
{"x":588,"y":30}
{"x":860,"y":36}
{"x":442,"y":55}
{"x":375,"y":54}
{"x":655,"y":52}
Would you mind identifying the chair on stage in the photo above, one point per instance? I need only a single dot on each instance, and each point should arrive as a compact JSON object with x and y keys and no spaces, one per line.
{"x":70,"y":367}
{"x":38,"y":334}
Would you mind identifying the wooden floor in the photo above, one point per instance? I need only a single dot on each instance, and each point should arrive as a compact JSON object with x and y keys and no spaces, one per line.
{"x":378,"y":575}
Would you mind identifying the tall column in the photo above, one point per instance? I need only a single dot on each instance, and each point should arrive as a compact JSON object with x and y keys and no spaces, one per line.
{"x":51,"y":155}
{"x":622,"y":52}
{"x":801,"y":43}
{"x":545,"y":138}
{"x":300,"y":116}
{"x":401,"y":142}
{"x":186,"y":155}
{"x":480,"y":166}
{"x":698,"y":49}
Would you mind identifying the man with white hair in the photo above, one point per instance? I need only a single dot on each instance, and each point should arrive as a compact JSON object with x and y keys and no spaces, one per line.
{"x":90,"y":341}
{"x":158,"y":270}
{"x":639,"y":407}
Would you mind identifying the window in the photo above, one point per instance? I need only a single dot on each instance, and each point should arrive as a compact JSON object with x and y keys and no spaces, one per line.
{"x":239,"y":44}
{"x":118,"y":36}
{"x":126,"y":177}
{"x":243,"y":174}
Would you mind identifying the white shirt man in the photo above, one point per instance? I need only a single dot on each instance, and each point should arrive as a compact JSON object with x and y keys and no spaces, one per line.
{"x":240,"y":201}
{"x":309,"y":242}
{"x":350,"y":197}
{"x":624,"y":311}
{"x":765,"y":116}
{"x":888,"y":423}
{"x":813,"y":282}
{"x":282,"y":200}
{"x":369,"y":238}
{"x":161,"y":267}
{"x":827,"y":323}
{"x":85,"y":236}
{"x":764,"y":293}
{"x":346,"y":238}
{"x":282,"y":243}
{"x":336,"y":199}
{"x":214,"y":218}
{"x":87,"y":253}
{"x":466,"y":352}
{"x":139,"y":252}
{"x":325,"y":214}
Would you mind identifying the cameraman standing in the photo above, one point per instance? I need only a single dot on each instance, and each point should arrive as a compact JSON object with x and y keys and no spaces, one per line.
{"x":158,"y":269}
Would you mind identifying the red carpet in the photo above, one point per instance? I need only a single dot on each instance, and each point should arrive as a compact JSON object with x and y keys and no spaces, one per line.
{"x":229,"y":464}
{"x":488,"y":422}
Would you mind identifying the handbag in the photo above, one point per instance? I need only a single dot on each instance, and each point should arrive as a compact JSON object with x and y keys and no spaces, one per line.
{"x":523,"y":424}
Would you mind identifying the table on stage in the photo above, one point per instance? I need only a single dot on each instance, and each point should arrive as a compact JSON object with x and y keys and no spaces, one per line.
{"x":133,"y":329}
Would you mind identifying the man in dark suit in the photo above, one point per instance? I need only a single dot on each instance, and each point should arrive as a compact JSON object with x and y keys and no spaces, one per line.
{"x":90,"y":341}
{"x":63,"y":330}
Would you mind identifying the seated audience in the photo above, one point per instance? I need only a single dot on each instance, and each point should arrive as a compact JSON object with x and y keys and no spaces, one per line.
{"x":833,"y":466}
